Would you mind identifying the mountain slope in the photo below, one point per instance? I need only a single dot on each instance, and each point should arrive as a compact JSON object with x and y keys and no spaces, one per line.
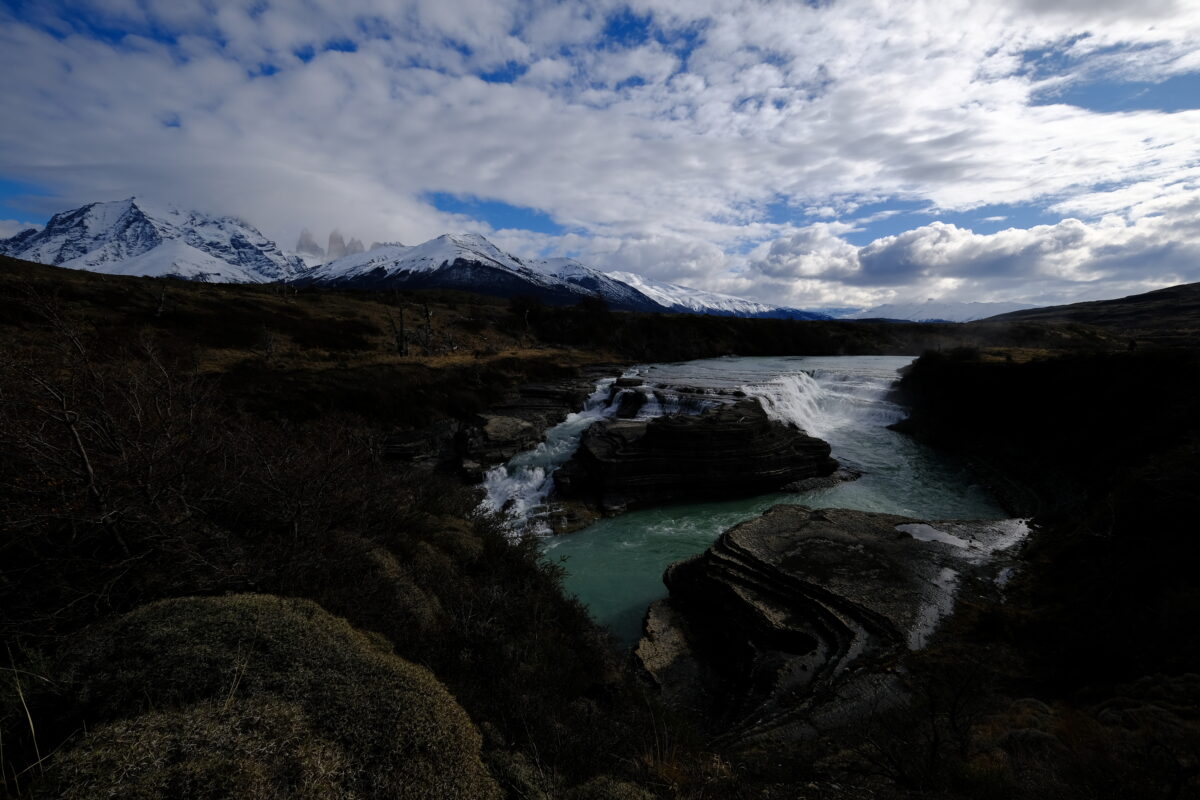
{"x":1170,"y":314}
{"x":134,"y":237}
{"x":938,"y":311}
{"x":686,"y":300}
{"x":470,"y":262}
{"x":616,"y":293}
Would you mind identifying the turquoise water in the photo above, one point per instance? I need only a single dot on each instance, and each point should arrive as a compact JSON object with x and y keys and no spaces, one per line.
{"x":615,"y":566}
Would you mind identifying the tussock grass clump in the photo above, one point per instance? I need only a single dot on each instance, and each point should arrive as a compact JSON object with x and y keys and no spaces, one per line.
{"x":606,"y":788}
{"x":258,"y":696}
{"x":253,"y":749}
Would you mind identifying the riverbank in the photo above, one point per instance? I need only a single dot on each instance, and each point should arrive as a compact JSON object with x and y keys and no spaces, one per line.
{"x":163,"y":440}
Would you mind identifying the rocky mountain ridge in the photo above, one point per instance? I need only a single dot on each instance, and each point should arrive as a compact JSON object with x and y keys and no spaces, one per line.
{"x":135,"y":237}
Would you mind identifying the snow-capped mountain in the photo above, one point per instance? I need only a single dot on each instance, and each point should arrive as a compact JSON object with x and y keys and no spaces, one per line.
{"x":134,"y":237}
{"x":938,"y":311}
{"x":470,"y":262}
{"x":697,"y":301}
{"x":617,"y":294}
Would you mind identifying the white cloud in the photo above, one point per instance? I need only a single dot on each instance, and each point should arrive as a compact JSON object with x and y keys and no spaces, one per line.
{"x":1043,"y":264}
{"x":826,"y":108}
{"x":11,"y":227}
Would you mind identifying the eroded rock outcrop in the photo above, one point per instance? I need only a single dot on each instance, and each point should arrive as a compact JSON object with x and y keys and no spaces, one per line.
{"x":793,"y":622}
{"x":514,"y":422}
{"x":729,"y":451}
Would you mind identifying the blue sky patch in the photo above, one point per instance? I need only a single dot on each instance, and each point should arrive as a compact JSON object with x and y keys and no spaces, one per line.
{"x":916,"y":214}
{"x":627,"y":29}
{"x":498,"y":214}
{"x":17,"y":199}
{"x":341,"y":46}
{"x":507,"y":73}
{"x":93,"y":25}
{"x":1177,"y":93}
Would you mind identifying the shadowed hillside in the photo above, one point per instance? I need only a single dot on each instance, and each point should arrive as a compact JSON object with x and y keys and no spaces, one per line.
{"x":1165,"y":316}
{"x":162,"y":440}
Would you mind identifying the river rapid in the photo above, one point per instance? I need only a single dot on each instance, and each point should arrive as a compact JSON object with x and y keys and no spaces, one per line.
{"x":615,"y":566}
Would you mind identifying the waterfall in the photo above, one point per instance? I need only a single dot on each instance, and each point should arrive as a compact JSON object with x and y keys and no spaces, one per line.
{"x":824,"y":400}
{"x":518,"y":489}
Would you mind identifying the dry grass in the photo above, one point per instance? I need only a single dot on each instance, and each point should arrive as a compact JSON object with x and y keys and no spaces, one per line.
{"x":256,"y":696}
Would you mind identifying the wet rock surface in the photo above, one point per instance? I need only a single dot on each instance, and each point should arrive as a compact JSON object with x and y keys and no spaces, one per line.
{"x":514,"y":423}
{"x":794,"y":622}
{"x":729,"y":451}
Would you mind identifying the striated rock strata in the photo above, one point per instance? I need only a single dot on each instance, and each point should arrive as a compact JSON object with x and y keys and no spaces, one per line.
{"x":793,"y":622}
{"x":729,"y":451}
{"x":515,"y":421}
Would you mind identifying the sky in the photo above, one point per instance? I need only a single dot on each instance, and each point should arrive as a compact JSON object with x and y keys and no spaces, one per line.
{"x":813,"y":154}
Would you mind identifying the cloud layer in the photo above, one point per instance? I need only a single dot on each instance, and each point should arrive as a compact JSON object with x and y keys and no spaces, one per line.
{"x":732,"y":145}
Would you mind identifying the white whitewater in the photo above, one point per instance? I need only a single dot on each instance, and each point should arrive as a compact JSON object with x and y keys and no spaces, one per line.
{"x":615,"y":566}
{"x":825,"y":400}
{"x":519,"y":488}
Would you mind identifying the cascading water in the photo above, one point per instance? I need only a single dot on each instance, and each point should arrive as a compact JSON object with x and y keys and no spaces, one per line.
{"x":826,"y":400}
{"x":615,"y":566}
{"x":519,"y":488}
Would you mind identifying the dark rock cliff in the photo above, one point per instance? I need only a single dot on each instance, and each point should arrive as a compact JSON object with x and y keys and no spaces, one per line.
{"x":730,"y":451}
{"x":792,"y":623}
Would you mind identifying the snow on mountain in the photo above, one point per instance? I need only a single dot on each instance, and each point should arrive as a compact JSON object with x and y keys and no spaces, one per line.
{"x":307,"y":246}
{"x":616,"y":293}
{"x":469,"y":261}
{"x":698,"y":301}
{"x":938,"y":310}
{"x":135,"y":237}
{"x":394,"y":259}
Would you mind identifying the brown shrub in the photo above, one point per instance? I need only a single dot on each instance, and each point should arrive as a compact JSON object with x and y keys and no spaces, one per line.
{"x":263,"y":694}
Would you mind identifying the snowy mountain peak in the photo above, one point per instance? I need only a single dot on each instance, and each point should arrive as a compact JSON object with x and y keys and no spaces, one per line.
{"x":698,"y":301}
{"x":138,"y":237}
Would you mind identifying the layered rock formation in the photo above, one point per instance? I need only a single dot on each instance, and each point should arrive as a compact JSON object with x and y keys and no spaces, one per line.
{"x":515,"y":422}
{"x":729,"y":451}
{"x":306,"y":245}
{"x":793,"y":622}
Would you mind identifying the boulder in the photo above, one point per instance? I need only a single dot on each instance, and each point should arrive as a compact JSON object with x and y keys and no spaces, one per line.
{"x":733,"y":450}
{"x":494,"y":439}
{"x":793,"y":622}
{"x":629,"y":404}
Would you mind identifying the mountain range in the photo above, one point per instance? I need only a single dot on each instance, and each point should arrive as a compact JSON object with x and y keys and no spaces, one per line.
{"x":136,"y":237}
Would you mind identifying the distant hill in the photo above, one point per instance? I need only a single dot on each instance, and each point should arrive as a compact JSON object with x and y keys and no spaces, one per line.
{"x":1170,"y":315}
{"x":937,"y":311}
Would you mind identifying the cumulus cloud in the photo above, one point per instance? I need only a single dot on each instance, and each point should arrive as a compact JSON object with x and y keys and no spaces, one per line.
{"x":662,"y":154}
{"x":1056,"y":263}
{"x":11,"y":227}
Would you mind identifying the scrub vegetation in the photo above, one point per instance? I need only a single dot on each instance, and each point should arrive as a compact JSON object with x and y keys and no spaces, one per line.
{"x":213,"y":584}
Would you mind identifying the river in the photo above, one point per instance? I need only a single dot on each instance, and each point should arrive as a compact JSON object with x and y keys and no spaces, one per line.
{"x":615,"y":566}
